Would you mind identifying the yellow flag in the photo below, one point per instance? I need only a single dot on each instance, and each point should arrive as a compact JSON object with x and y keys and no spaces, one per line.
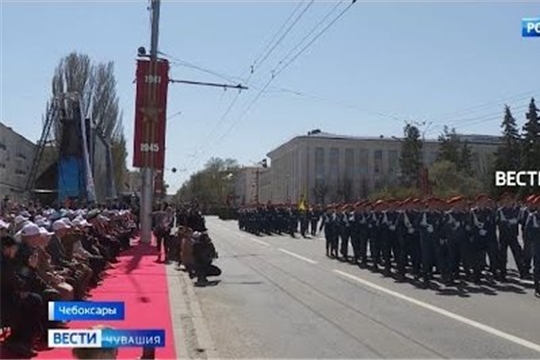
{"x":302,"y":204}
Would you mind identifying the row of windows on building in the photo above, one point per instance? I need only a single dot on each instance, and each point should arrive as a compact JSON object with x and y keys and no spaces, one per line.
{"x":18,"y":155}
{"x":361,"y":164}
{"x":17,"y":171}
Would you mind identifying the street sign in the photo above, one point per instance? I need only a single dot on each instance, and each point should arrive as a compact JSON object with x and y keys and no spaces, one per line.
{"x":150,"y":113}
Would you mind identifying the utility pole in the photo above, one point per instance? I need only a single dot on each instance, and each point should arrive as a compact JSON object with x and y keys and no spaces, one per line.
{"x":147,"y":190}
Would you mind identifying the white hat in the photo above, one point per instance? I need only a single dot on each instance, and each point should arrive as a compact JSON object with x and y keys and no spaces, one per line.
{"x":30,"y":229}
{"x":42,"y":222}
{"x":60,"y":225}
{"x":44,"y":232}
{"x":78,"y":222}
{"x":67,"y":221}
{"x":3,"y":224}
{"x":19,"y":219}
{"x":25,"y":213}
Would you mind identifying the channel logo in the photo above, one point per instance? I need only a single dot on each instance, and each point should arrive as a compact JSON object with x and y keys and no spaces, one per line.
{"x":530,"y":27}
{"x":105,"y":338}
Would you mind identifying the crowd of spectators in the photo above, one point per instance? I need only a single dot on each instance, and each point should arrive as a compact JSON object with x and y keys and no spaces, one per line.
{"x":53,"y":255}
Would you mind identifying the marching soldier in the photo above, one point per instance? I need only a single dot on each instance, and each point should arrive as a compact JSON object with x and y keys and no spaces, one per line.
{"x":362,"y":219}
{"x":345,"y":231}
{"x":314,"y":216}
{"x":527,"y":248}
{"x":375,"y":233}
{"x":331,"y":231}
{"x":507,"y":220}
{"x":389,"y":238}
{"x":409,"y":238}
{"x":430,"y":232}
{"x":532,"y":229}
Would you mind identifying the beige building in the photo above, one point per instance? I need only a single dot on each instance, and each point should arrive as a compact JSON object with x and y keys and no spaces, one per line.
{"x":16,"y":159}
{"x":327,"y":168}
{"x":248,"y":184}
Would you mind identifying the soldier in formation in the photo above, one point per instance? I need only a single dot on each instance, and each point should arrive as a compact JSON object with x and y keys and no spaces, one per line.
{"x":279,"y":219}
{"x":455,"y":239}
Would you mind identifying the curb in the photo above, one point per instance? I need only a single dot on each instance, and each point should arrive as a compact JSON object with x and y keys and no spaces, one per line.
{"x":191,"y":335}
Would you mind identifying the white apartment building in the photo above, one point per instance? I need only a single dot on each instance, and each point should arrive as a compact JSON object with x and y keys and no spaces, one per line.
{"x":341,"y":167}
{"x":16,"y":159}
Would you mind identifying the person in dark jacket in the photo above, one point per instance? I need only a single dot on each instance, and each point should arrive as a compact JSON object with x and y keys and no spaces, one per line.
{"x":20,"y":306}
{"x":204,"y":253}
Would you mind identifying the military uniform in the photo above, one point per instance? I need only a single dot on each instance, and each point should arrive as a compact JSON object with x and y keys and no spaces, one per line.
{"x":532,"y":229}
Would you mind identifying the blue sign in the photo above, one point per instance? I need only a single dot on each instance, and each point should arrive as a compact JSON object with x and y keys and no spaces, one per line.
{"x":530,"y":27}
{"x":132,"y":338}
{"x":105,"y":338}
{"x":86,"y":310}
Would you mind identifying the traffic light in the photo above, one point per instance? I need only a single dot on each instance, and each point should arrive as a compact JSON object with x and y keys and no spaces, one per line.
{"x":173,"y":169}
{"x":264,"y":163}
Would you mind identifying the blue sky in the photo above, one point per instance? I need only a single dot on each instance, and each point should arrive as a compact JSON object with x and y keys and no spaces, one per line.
{"x":380,"y":64}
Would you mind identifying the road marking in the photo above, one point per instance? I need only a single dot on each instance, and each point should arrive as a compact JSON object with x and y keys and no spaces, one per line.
{"x":298,"y":256}
{"x":525,"y":343}
{"x":257,"y":241}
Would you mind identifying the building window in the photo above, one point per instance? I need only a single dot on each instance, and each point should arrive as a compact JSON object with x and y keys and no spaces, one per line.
{"x":377,"y":166}
{"x":319,"y":164}
{"x":2,"y":166}
{"x":349,"y":163}
{"x":334,"y":163}
{"x":3,"y":146}
{"x":393,"y":162}
{"x":363,"y":161}
{"x":20,"y":172}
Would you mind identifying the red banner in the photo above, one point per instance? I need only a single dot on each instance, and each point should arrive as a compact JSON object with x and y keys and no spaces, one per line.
{"x":150,"y":114}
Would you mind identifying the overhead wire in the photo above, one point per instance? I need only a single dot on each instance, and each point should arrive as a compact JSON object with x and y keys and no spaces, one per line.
{"x":262,"y":58}
{"x":312,"y":31}
{"x":177,"y":61}
{"x":490,"y":103}
{"x":291,"y":26}
{"x":276,"y":72}
{"x":287,"y":64}
{"x":499,"y":115}
{"x":265,"y":49}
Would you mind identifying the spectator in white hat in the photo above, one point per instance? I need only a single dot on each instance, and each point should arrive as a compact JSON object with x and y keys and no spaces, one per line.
{"x":4,"y":227}
{"x":19,"y":222}
{"x":55,"y":278}
{"x":61,"y":257}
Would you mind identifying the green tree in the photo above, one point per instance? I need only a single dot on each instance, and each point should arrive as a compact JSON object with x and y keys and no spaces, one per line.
{"x":531,"y":143}
{"x":465,"y":159}
{"x":449,"y":149}
{"x":447,"y":180}
{"x":212,"y":185}
{"x":411,"y":155}
{"x":507,"y":156}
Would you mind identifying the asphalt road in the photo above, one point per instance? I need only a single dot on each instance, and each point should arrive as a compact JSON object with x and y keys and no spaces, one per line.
{"x":281,"y":297}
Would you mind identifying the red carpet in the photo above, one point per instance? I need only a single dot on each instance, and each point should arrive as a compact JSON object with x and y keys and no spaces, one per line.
{"x":141,"y":283}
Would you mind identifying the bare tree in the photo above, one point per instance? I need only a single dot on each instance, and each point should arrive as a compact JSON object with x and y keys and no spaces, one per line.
{"x":320,"y":191}
{"x":346,"y":189}
{"x":96,"y":85}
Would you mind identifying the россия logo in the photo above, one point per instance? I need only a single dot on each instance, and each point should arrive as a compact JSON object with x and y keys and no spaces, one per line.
{"x":530,"y":27}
